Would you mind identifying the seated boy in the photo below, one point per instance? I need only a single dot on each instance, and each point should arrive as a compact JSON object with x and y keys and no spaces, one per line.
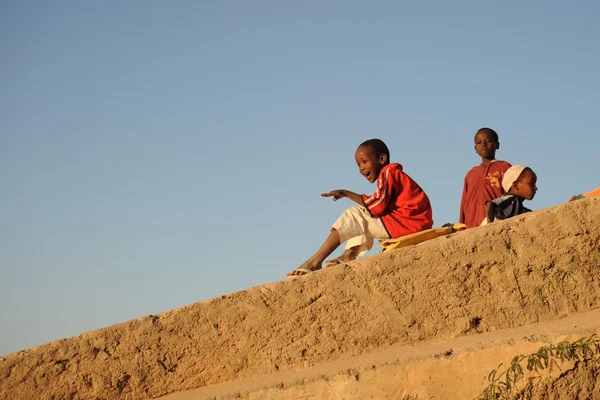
{"x":482,"y":182}
{"x":519,"y":184}
{"x":398,"y":207}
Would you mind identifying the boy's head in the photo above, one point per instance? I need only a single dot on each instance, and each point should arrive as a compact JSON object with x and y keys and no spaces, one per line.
{"x":520,"y":181}
{"x":486,"y":144}
{"x":371,"y":156}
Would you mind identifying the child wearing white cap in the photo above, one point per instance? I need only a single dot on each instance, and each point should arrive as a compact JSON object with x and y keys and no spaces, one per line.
{"x":519,"y":183}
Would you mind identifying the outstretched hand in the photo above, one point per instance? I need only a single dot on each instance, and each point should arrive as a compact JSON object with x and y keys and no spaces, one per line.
{"x":336,"y":194}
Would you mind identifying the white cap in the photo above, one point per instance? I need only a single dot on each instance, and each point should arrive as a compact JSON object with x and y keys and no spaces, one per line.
{"x":511,"y":175}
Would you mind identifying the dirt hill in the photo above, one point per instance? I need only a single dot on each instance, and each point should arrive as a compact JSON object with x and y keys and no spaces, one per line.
{"x":430,"y":321}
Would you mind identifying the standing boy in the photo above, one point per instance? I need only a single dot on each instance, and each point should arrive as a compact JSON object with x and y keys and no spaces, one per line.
{"x":483,"y":182}
{"x":398,"y":207}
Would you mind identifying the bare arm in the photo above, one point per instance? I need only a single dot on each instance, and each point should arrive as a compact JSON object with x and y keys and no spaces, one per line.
{"x":340,"y":193}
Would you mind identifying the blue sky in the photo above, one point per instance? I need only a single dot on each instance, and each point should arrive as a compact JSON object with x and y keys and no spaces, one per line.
{"x":154,"y":154}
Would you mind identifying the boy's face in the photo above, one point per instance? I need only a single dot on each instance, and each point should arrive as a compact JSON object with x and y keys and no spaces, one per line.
{"x":526,"y":187}
{"x":369,"y":164}
{"x":486,"y":145}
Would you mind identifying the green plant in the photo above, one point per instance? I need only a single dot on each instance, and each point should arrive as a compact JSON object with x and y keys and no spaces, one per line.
{"x":502,"y":385}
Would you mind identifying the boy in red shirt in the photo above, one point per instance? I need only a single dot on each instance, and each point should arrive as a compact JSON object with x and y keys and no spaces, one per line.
{"x":483,"y":182}
{"x":398,"y":207}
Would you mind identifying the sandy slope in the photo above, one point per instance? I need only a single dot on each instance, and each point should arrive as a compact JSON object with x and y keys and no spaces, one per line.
{"x":540,"y":268}
{"x":434,"y":368}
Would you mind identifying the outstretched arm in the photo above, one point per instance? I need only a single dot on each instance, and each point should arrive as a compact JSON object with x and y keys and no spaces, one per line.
{"x":340,"y":193}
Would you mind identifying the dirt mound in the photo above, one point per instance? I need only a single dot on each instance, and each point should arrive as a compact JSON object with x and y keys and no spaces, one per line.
{"x":535,"y":268}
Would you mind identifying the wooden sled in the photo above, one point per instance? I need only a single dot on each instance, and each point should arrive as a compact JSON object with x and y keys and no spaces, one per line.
{"x":419,"y":237}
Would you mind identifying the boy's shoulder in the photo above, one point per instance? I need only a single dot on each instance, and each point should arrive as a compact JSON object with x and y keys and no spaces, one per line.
{"x":504,"y":197}
{"x":476,"y":169}
{"x":392,"y":172}
{"x":500,"y":164}
{"x":392,"y":167}
{"x":495,"y":165}
{"x":511,"y":205}
{"x":508,"y":199}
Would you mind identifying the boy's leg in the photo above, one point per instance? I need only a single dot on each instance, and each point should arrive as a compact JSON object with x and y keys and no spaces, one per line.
{"x":358,"y":228}
{"x":314,"y":263}
{"x":355,"y":225}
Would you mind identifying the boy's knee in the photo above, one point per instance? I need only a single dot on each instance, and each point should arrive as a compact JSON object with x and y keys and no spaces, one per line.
{"x":358,"y":212}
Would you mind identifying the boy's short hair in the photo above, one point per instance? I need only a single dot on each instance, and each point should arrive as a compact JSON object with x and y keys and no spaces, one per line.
{"x":378,"y":147}
{"x":488,"y":130}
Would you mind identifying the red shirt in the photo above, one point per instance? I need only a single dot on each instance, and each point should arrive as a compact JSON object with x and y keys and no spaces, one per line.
{"x":482,"y":184}
{"x":400,"y":202}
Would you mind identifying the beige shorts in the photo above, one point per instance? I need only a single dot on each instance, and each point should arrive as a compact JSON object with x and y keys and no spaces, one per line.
{"x":357,"y":227}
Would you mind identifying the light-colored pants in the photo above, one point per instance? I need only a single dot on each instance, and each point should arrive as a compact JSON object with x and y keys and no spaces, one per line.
{"x":358,"y":228}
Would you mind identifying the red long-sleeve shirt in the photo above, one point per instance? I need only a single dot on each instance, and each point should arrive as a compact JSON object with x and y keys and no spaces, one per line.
{"x":482,"y":184}
{"x":400,"y":202}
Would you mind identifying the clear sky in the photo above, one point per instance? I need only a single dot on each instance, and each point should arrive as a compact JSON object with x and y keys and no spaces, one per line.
{"x":154,"y":154}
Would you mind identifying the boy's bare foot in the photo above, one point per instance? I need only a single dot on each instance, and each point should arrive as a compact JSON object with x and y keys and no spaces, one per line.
{"x":348,"y":255}
{"x":306,"y":267}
